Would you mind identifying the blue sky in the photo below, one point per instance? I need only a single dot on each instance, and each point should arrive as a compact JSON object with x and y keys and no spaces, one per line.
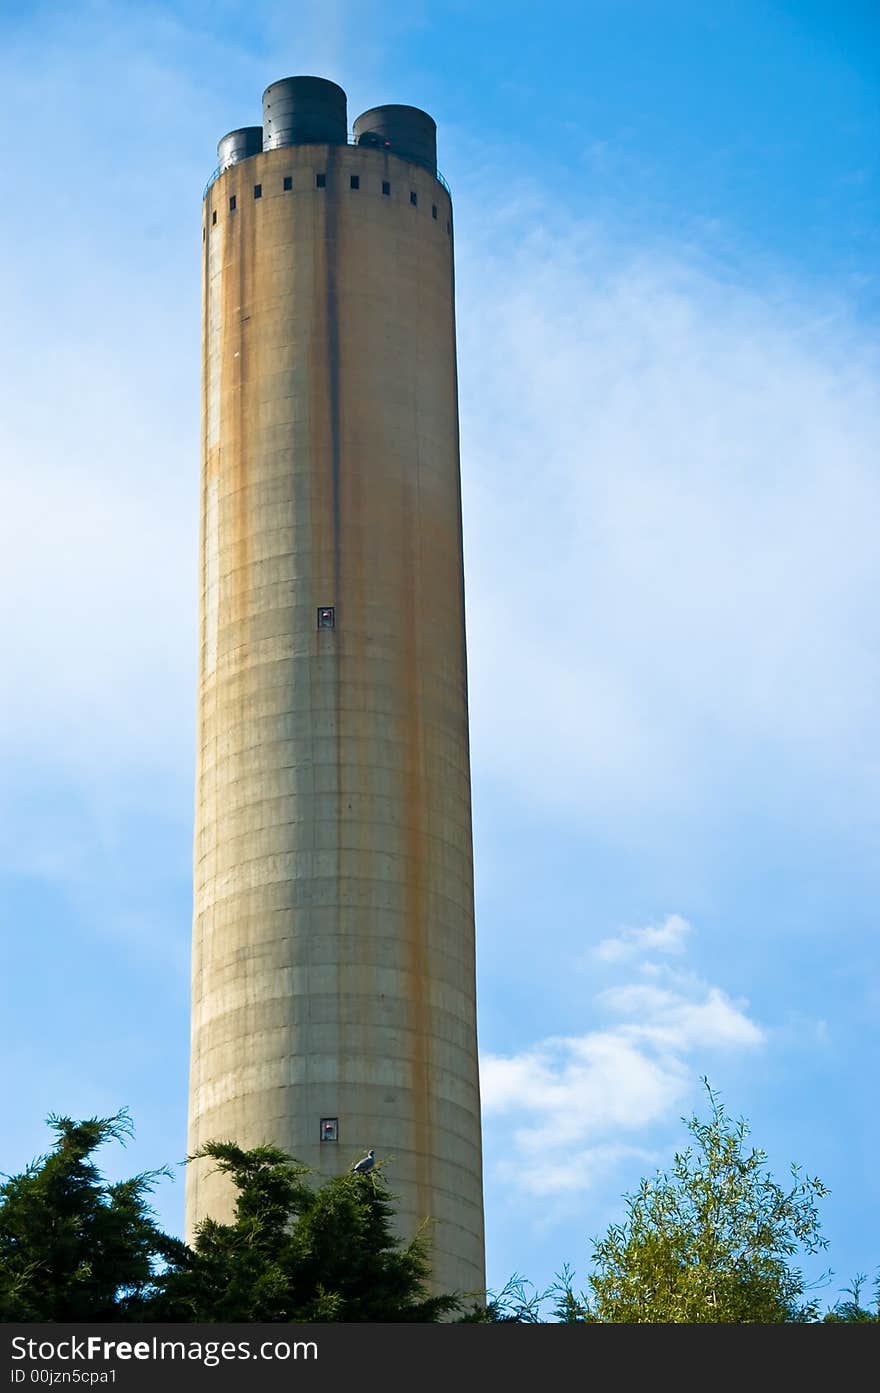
{"x":667,"y":250}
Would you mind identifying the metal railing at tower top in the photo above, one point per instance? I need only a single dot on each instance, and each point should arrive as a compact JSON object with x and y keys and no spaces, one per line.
{"x":352,"y":140}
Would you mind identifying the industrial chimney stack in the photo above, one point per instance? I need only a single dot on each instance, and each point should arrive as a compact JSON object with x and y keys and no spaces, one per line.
{"x":333,"y":940}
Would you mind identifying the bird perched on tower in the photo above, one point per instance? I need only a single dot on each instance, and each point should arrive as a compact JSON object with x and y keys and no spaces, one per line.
{"x":366,"y":1163}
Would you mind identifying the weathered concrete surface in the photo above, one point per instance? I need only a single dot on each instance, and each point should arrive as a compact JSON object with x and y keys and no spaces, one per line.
{"x":333,"y":957}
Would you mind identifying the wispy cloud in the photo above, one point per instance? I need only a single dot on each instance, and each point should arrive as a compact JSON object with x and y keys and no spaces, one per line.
{"x":667,"y":937}
{"x":572,"y":1107}
{"x":682,"y":1016}
{"x":670,"y":486}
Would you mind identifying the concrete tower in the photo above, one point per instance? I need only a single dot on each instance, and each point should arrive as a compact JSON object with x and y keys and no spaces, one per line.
{"x":333,"y":946}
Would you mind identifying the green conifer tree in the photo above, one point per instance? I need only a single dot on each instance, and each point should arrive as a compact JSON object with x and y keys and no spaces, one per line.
{"x":300,"y":1252}
{"x":72,"y":1246}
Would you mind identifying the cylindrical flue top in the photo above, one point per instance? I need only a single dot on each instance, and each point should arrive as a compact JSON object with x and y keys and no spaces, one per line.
{"x":304,"y":111}
{"x":404,"y":130}
{"x":239,"y":145}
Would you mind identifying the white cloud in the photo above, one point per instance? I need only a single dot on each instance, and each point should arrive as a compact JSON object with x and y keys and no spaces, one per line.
{"x":596,"y":1081}
{"x":667,"y":937}
{"x":561,"y":1176}
{"x":565,"y":1103}
{"x":668,"y":1019}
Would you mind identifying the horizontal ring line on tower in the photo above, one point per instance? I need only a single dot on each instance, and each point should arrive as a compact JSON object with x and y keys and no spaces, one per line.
{"x":222,"y":839}
{"x":381,"y":959}
{"x":435,"y":760}
{"x":325,"y":721}
{"x":464,"y":910}
{"x":227,"y":839}
{"x":345,"y":849}
{"x":217,"y":1021}
{"x":213,"y":890}
{"x":459,"y":1081}
{"x":220,"y":1007}
{"x":449,"y":1026}
{"x":457,"y":1090}
{"x":314,"y":1082}
{"x":216,"y":688}
{"x":262,"y":812}
{"x":251,"y":652}
{"x":380,"y":944}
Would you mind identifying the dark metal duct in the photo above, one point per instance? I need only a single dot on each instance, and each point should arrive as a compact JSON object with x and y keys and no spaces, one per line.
{"x":404,"y":130}
{"x":239,"y":145}
{"x":304,"y":111}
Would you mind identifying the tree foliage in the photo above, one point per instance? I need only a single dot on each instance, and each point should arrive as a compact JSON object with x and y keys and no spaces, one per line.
{"x":296,"y":1252}
{"x":713,"y":1239}
{"x":851,"y":1311}
{"x":519,"y":1302}
{"x":72,"y":1246}
{"x":709,"y":1241}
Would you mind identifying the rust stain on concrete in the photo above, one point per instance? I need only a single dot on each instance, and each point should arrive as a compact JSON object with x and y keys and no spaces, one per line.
{"x":417,"y":872}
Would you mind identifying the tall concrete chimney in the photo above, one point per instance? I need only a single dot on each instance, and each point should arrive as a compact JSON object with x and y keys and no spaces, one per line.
{"x":333,"y":944}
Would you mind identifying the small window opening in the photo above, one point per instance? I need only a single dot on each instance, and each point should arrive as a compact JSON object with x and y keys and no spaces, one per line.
{"x":232,"y":203}
{"x":355,"y":181}
{"x":329,"y":1129}
{"x":203,"y":234}
{"x":434,"y":211}
{"x":326,"y":617}
{"x":214,"y":218}
{"x":449,"y":227}
{"x":320,"y":181}
{"x":258,"y":190}
{"x":413,"y":197}
{"x":386,"y":188}
{"x":288,"y":183}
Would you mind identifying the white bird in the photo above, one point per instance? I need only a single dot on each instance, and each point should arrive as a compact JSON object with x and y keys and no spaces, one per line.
{"x":366,"y":1163}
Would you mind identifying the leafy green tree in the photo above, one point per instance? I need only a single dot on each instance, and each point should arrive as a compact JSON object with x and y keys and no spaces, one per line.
{"x":852,"y":1312}
{"x":297,"y":1252}
{"x":710,"y":1241}
{"x":72,"y":1246}
{"x":519,"y":1302}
